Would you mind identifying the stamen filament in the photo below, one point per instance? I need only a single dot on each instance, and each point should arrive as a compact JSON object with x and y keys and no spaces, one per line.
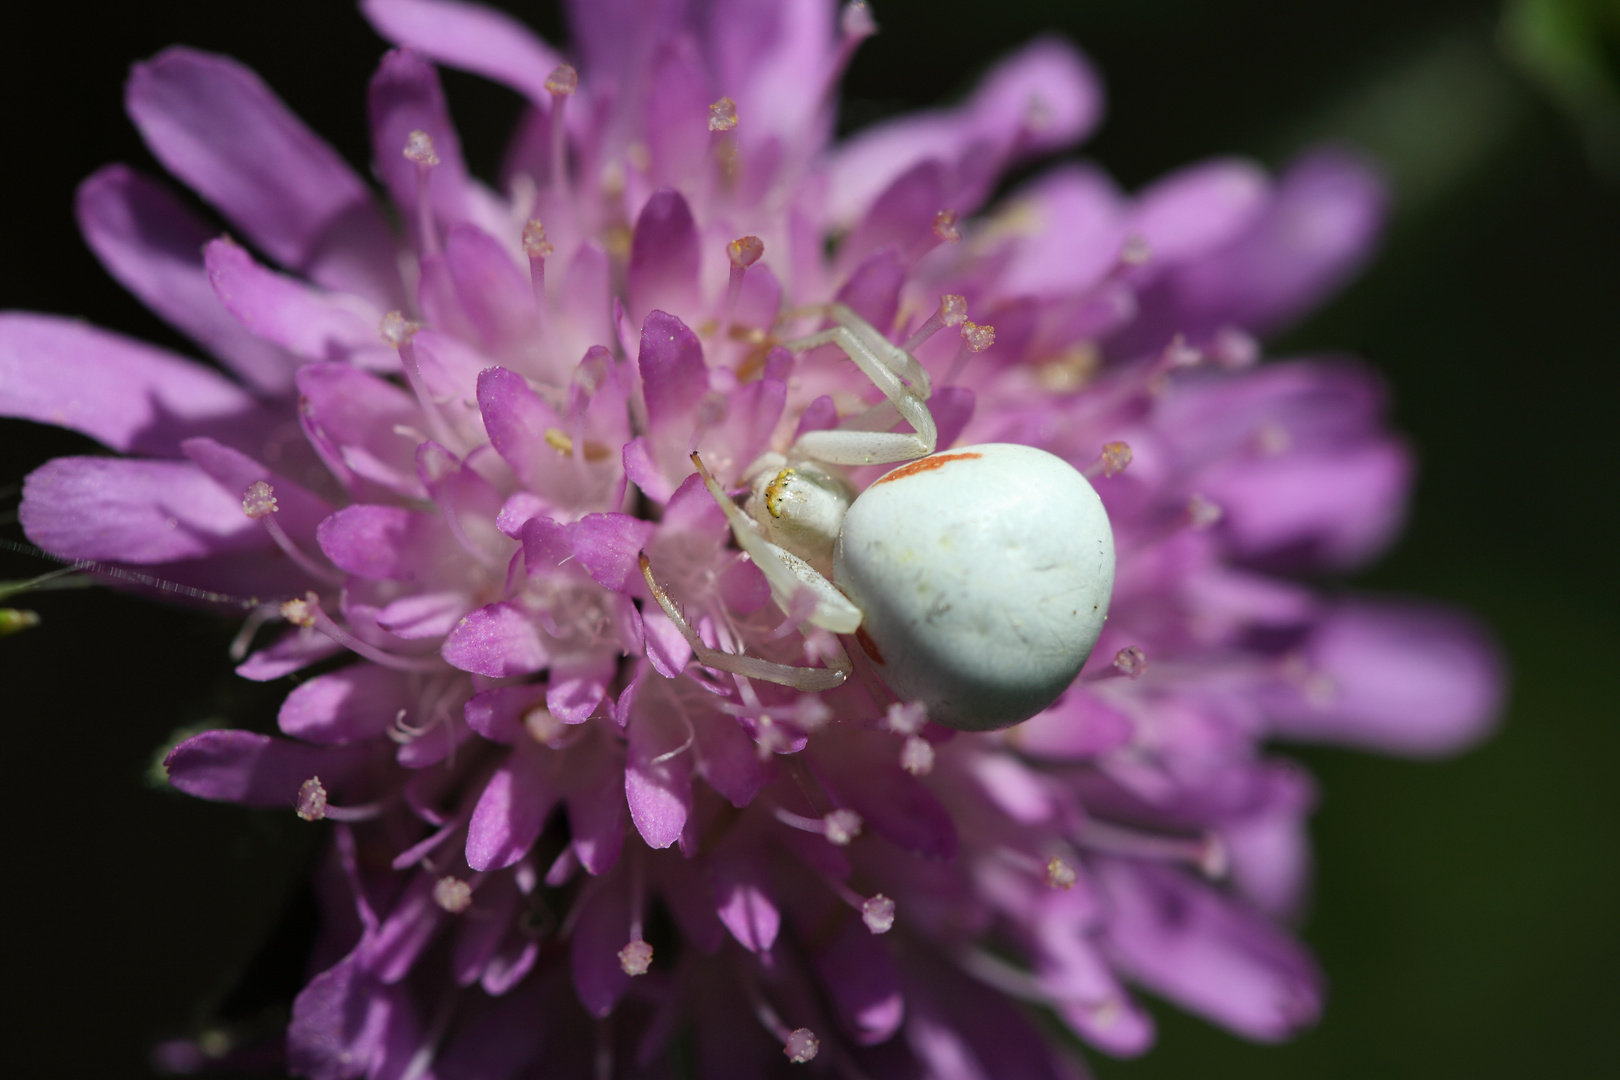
{"x":419,"y":150}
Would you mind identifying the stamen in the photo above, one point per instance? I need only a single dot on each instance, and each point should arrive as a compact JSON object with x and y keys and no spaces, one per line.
{"x":801,"y":1045}
{"x":635,"y":958}
{"x":723,"y":115}
{"x":307,"y":612}
{"x":917,"y":756}
{"x":312,"y":805}
{"x":877,"y":911}
{"x":945,"y":226}
{"x":1206,"y":852}
{"x":452,"y":894}
{"x":1135,"y":252}
{"x":419,"y":150}
{"x":975,"y":339}
{"x":906,"y":719}
{"x":400,"y":332}
{"x":742,"y":252}
{"x":723,"y":137}
{"x":1233,"y":348}
{"x":561,"y":84}
{"x":1059,"y":874}
{"x":952,"y":312}
{"x":1202,"y":513}
{"x":259,"y":503}
{"x":1112,"y":461}
{"x":841,"y":826}
{"x":855,"y":25}
{"x":1131,"y":662}
{"x":543,"y":727}
{"x":250,"y":626}
{"x":536,"y":247}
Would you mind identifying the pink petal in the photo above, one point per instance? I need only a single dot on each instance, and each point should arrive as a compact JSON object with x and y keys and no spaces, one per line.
{"x":475,"y":291}
{"x":128,"y":395}
{"x":290,"y":314}
{"x":1198,"y":209}
{"x":499,"y":641}
{"x":298,"y":511}
{"x":498,"y":714}
{"x":215,"y":125}
{"x":659,"y":792}
{"x":405,"y":97}
{"x":356,"y":703}
{"x":603,"y":929}
{"x":151,"y":242}
{"x":596,"y":807}
{"x":354,"y":421}
{"x":743,"y":902}
{"x":381,"y":543}
{"x":1184,"y":940}
{"x":256,"y":770}
{"x":1041,"y":98}
{"x":664,"y":257}
{"x":1401,"y":677}
{"x":861,"y":979}
{"x":133,"y":511}
{"x":512,"y":809}
{"x":469,"y":36}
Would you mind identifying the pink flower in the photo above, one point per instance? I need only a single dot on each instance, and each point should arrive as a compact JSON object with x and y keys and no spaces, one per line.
{"x":457,"y":453}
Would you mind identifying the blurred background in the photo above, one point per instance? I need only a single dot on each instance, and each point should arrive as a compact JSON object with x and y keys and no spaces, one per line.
{"x":1467,"y":912}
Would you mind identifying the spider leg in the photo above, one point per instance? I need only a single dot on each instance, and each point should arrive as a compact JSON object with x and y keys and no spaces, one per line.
{"x":808,"y":679}
{"x":784,"y":571}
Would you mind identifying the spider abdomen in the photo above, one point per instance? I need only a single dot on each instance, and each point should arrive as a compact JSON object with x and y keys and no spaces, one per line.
{"x":983,"y":576}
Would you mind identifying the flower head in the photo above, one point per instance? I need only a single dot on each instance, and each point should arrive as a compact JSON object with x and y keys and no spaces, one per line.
{"x":560,"y":723}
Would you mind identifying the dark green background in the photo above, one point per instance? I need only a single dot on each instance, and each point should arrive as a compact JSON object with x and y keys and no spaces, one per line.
{"x":1466,"y":910}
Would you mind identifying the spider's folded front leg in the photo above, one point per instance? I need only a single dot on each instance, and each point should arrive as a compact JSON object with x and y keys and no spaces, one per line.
{"x":888,"y":366}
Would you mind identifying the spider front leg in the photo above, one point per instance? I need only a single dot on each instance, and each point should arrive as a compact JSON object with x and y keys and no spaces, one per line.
{"x":808,"y":679}
{"x":887,"y":365}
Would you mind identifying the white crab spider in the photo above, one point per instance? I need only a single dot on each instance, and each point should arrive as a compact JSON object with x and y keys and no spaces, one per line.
{"x":977,"y":581}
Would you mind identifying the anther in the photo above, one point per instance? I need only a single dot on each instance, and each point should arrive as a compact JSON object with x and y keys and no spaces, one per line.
{"x":259,"y":503}
{"x":723,"y":115}
{"x":1202,"y":513}
{"x":397,"y":330}
{"x":952,"y":312}
{"x":917,"y":756}
{"x":975,"y":339}
{"x":945,"y":226}
{"x":978,"y":338}
{"x":1112,"y":461}
{"x":299,"y":613}
{"x":635,"y":958}
{"x":742,"y":253}
{"x":419,"y":151}
{"x":1135,"y":252}
{"x":877,"y":913}
{"x":543,"y":727}
{"x":259,"y":500}
{"x":311,"y":805}
{"x":563,"y":80}
{"x":906,"y":719}
{"x":801,"y":1045}
{"x":452,"y":894}
{"x":561,"y":84}
{"x":723,"y":136}
{"x":1059,"y":874}
{"x":1233,"y":348}
{"x":856,"y":21}
{"x":1130,"y":662}
{"x":841,"y":826}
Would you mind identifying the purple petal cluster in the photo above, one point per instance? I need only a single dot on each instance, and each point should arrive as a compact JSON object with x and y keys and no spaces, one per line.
{"x":445,"y":436}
